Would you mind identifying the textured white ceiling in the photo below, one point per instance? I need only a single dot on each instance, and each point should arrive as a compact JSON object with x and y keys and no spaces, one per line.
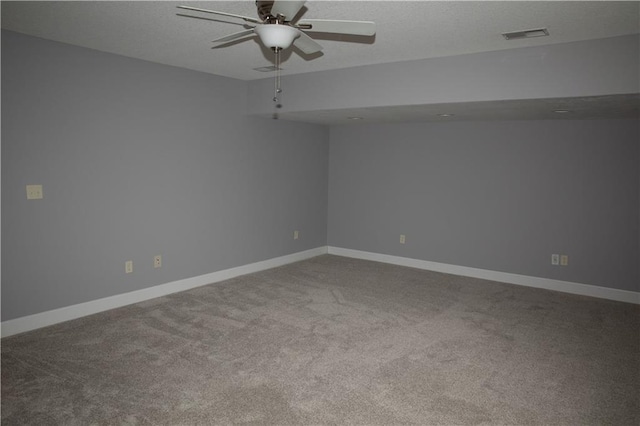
{"x":406,"y":30}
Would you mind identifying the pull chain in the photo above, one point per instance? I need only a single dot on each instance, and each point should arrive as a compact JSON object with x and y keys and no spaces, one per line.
{"x":277,"y":81}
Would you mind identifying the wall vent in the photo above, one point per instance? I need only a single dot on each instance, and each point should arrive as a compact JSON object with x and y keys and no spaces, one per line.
{"x":538,"y":32}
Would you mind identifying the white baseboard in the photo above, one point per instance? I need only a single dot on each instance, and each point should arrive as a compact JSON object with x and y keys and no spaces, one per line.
{"x":43,"y":319}
{"x":505,"y":277}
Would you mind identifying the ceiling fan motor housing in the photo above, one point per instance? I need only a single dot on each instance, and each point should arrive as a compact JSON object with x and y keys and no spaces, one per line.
{"x":264,"y":11}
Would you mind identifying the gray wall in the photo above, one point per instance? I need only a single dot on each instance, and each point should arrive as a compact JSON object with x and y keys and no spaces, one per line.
{"x":501,"y":196}
{"x":139,"y":159}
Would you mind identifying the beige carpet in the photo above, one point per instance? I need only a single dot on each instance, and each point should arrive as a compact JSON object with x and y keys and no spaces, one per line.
{"x":338,"y":341}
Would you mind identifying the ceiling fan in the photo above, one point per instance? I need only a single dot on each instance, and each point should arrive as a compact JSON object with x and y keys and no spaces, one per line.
{"x":277,"y":27}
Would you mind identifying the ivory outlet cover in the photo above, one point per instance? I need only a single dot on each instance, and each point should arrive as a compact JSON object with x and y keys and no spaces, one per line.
{"x":34,"y":192}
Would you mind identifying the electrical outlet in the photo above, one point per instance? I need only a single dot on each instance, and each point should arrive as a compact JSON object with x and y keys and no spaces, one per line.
{"x":555,"y":259}
{"x":157,"y":261}
{"x":295,"y":235}
{"x":128,"y":267}
{"x":403,"y":239}
{"x":34,"y":192}
{"x":564,"y":260}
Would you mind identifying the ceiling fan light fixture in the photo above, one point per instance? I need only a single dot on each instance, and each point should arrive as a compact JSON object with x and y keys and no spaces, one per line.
{"x":277,"y":36}
{"x":277,"y":31}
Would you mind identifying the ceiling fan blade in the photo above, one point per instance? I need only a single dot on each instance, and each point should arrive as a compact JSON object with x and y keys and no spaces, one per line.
{"x":287,"y":8}
{"x":307,"y":44}
{"x":197,"y":9}
{"x":233,"y":36}
{"x":210,"y":19}
{"x":364,"y":28}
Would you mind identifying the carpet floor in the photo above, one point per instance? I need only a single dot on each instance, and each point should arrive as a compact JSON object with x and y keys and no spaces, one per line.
{"x":333,"y":340}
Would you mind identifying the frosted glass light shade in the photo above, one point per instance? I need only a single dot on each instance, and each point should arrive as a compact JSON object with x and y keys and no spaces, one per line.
{"x":280,"y":36}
